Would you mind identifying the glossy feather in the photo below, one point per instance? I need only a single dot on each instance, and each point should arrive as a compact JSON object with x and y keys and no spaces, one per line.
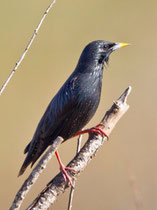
{"x":75,"y":103}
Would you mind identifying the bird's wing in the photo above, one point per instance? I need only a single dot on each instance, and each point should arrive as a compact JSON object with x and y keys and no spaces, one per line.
{"x":59,"y":109}
{"x":53,"y":120}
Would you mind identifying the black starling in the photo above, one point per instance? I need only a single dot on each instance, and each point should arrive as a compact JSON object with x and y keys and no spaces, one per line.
{"x":75,"y":103}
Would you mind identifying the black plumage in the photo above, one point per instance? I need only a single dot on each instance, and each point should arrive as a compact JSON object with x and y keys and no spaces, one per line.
{"x":75,"y":103}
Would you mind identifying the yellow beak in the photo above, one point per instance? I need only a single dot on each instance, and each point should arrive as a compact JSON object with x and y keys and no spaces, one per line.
{"x":119,"y":45}
{"x":123,"y":44}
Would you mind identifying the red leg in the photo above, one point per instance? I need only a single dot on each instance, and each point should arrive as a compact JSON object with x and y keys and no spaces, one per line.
{"x":95,"y":129}
{"x":63,"y":169}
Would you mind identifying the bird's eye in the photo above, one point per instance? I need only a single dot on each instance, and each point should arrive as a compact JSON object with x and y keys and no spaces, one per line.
{"x":105,"y":46}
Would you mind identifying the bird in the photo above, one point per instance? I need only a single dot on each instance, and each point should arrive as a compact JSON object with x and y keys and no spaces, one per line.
{"x":74,"y":105}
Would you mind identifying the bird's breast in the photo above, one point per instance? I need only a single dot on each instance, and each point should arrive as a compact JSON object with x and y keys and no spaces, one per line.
{"x":86,"y":91}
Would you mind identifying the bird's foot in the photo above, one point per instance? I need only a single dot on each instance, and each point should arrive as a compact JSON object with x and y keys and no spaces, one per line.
{"x":96,"y":129}
{"x":66,"y":177}
{"x":64,"y":169}
{"x":100,"y":131}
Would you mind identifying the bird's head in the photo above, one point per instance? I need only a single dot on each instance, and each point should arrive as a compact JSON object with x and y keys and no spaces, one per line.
{"x":98,"y":52}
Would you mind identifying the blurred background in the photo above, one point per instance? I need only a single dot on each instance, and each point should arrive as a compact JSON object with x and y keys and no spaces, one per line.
{"x":126,"y":165}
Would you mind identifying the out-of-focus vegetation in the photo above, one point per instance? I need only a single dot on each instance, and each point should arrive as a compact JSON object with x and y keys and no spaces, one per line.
{"x":67,"y":29}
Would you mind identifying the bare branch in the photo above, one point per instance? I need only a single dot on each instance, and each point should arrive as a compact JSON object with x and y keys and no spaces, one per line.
{"x":27,"y":47}
{"x":35,"y":174}
{"x":57,"y":185}
{"x":72,"y":188}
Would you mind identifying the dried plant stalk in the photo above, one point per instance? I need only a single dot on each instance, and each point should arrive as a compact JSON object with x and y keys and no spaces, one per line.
{"x":27,"y":47}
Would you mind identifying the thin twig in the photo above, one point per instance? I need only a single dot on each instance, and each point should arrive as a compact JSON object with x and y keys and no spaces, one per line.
{"x":72,"y":188}
{"x":27,"y":47}
{"x":35,"y":174}
{"x":57,"y":185}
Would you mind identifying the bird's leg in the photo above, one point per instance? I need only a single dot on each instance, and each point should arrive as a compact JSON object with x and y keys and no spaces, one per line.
{"x":95,"y":129}
{"x":63,"y":169}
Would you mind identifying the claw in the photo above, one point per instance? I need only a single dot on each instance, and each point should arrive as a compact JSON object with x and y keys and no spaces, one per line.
{"x":64,"y":176}
{"x":102,"y":132}
{"x":70,"y":169}
{"x":95,"y":129}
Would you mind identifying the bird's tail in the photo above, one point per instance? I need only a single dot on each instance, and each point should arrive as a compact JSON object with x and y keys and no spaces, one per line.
{"x":33,"y":155}
{"x":24,"y":166}
{"x":27,"y":161}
